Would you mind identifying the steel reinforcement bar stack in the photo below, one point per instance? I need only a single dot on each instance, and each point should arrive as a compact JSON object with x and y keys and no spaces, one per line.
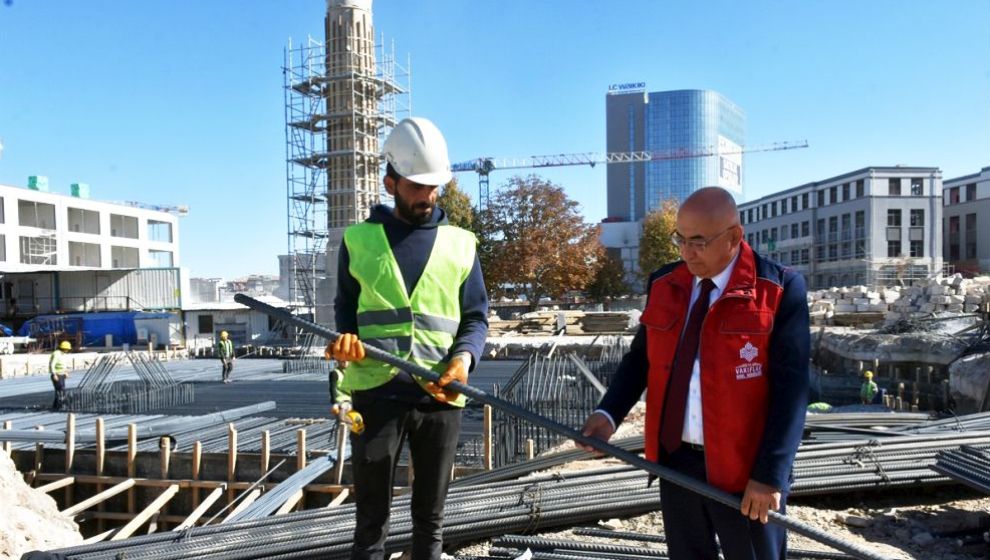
{"x":472,"y":513}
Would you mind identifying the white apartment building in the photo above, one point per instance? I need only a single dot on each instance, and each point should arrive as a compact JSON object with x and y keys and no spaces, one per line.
{"x":966,"y":222}
{"x":62,"y":253}
{"x":873,"y":226}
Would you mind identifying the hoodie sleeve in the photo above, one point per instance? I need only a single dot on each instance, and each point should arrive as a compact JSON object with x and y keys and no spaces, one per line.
{"x":348,"y":290}
{"x":474,"y":316}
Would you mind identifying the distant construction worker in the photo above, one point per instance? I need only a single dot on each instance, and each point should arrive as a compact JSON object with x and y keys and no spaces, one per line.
{"x":411,"y":284}
{"x":868,"y":390}
{"x":225,"y":351}
{"x":59,"y":373}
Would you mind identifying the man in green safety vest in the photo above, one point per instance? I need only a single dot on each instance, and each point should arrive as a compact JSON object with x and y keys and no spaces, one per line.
{"x":225,"y":351}
{"x":410,"y":284}
{"x":868,"y":390}
{"x":58,"y":373}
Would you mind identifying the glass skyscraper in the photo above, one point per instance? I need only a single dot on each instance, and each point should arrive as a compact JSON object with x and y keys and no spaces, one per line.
{"x":675,"y":125}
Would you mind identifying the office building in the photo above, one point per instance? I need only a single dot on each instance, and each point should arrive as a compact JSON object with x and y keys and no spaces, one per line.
{"x":966,"y":222}
{"x":677,"y":123}
{"x":876,"y":226}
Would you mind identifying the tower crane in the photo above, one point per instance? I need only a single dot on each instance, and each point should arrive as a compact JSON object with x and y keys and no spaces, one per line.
{"x":483,"y":166}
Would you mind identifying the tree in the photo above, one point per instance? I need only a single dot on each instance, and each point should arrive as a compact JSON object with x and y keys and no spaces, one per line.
{"x":655,"y":246}
{"x":533,"y":239}
{"x":610,"y":280}
{"x":457,"y":204}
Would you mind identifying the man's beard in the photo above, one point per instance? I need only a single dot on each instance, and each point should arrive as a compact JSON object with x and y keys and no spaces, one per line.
{"x":417,"y":214}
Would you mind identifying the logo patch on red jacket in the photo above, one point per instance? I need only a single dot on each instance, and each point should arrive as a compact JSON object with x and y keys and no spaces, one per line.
{"x":749,"y":370}
{"x":749,"y":352}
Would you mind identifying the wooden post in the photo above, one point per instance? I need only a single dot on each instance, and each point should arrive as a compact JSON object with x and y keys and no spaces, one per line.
{"x":200,"y":509}
{"x":231,"y":458}
{"x":159,"y":502}
{"x":487,"y":441}
{"x":39,"y":456}
{"x":530,"y":449}
{"x":7,"y":425}
{"x":338,"y":469}
{"x":101,"y":451}
{"x":165,"y":455}
{"x":300,"y":449}
{"x":70,"y":441}
{"x":197,"y":462}
{"x":131,"y":464}
{"x":70,"y":452}
{"x":266,"y":450}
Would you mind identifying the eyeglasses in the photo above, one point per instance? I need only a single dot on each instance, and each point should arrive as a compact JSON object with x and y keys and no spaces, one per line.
{"x":694,"y":243}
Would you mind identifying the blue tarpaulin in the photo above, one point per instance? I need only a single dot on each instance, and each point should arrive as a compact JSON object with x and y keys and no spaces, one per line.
{"x":95,"y":326}
{"x":5,"y":330}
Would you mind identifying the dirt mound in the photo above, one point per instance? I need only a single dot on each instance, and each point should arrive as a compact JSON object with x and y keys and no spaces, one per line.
{"x":29,"y":519}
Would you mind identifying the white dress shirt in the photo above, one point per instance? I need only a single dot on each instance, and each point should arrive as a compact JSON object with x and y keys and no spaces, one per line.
{"x":693,"y":424}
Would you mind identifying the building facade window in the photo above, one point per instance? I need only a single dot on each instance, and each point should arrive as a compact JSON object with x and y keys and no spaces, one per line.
{"x":970,"y":197}
{"x":805,"y":229}
{"x":160,"y":259}
{"x":39,"y":250}
{"x":821,"y":199}
{"x":3,"y":247}
{"x":893,"y":217}
{"x":860,"y":224}
{"x":123,"y":226}
{"x":833,"y":195}
{"x":917,"y":217}
{"x":970,"y":236}
{"x":36,"y":214}
{"x":795,"y":231}
{"x":845,"y":191}
{"x":159,"y":231}
{"x":204,"y":324}
{"x":917,"y":186}
{"x":893,"y":248}
{"x":846,"y":227}
{"x":953,"y":238}
{"x":860,"y":188}
{"x":916,"y":242}
{"x":124,"y":257}
{"x":804,"y":201}
{"x":84,"y":221}
{"x":84,"y":254}
{"x":894,"y":186}
{"x":2,"y":219}
{"x":954,"y":195}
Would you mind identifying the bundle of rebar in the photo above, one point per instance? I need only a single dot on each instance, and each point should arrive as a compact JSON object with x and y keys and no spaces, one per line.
{"x":969,"y":465}
{"x":472,"y":513}
{"x":155,"y":388}
{"x":564,"y":388}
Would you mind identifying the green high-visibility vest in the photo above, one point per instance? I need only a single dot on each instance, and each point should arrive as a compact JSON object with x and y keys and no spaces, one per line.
{"x":56,"y":366}
{"x":420,"y":327}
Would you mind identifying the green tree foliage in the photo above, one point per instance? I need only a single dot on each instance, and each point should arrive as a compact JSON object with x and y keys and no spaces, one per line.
{"x":457,"y":204}
{"x":610,"y":280}
{"x":533,"y":238}
{"x":655,"y":246}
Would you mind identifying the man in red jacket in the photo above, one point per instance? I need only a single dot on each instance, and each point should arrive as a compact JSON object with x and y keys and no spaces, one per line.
{"x":722,"y":352}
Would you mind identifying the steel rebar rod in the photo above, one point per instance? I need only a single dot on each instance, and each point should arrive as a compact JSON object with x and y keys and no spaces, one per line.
{"x":670,"y":475}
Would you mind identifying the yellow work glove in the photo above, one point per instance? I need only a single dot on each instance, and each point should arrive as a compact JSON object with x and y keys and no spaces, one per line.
{"x":346,"y":348}
{"x":457,"y":370}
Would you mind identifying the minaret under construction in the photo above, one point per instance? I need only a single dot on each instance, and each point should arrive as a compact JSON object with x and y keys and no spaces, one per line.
{"x":337,"y":111}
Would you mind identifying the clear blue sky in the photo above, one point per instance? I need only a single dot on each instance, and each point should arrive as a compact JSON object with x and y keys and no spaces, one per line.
{"x":181,"y":102}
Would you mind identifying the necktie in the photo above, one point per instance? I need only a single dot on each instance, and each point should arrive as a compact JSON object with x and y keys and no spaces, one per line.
{"x":672,"y":425}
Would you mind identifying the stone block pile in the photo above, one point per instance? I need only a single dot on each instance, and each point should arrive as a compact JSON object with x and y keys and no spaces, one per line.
{"x":940,"y":295}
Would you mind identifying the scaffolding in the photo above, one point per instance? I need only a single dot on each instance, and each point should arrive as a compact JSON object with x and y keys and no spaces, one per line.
{"x":339,"y":106}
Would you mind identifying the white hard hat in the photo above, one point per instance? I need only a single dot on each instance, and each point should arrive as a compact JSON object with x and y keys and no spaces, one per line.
{"x":417,"y":151}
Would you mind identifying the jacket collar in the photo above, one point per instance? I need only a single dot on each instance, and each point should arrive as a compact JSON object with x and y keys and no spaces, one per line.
{"x":742,"y":281}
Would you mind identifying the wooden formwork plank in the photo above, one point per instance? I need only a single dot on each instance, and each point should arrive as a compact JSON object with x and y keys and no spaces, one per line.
{"x":248,"y":500}
{"x":290,"y":503}
{"x":101,"y":497}
{"x":201,"y":509}
{"x":145,"y":515}
{"x":57,"y":484}
{"x":339,"y":498}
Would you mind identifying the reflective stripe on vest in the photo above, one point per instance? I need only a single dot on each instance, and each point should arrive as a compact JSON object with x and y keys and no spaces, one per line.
{"x":420,"y":328}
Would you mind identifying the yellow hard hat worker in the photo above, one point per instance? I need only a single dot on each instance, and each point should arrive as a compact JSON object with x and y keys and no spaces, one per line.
{"x":868,"y":374}
{"x":65,"y":345}
{"x":223,"y":335}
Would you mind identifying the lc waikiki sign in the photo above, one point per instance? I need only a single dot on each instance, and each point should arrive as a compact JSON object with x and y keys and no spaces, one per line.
{"x":634,"y":87}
